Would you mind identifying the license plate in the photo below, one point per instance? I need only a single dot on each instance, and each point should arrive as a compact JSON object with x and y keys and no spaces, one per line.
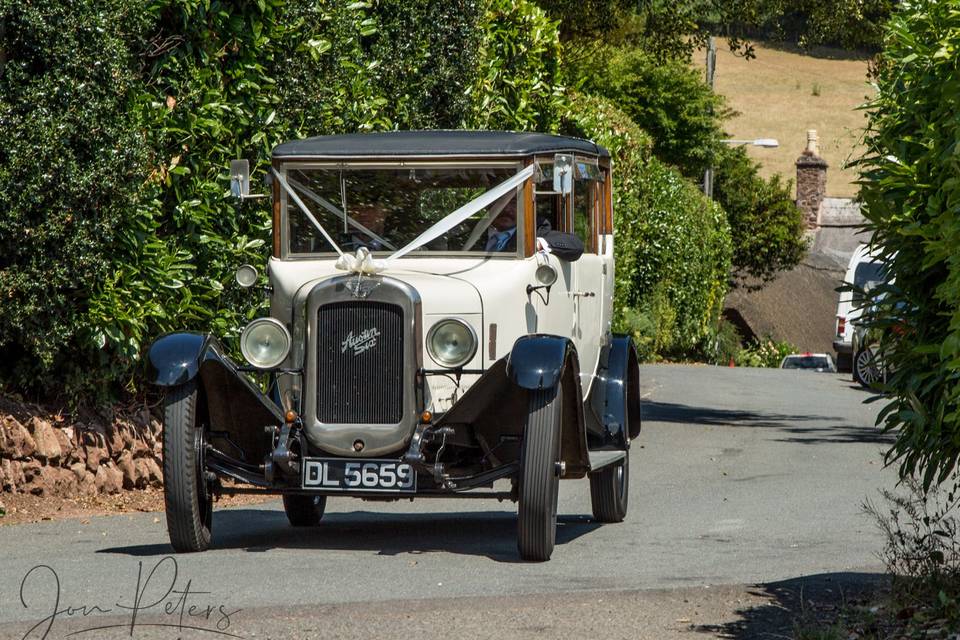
{"x":341,"y":474}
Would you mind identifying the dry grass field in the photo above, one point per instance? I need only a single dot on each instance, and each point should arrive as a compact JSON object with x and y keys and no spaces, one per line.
{"x":782,"y":93}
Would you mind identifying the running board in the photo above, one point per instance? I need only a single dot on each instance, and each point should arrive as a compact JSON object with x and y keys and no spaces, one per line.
{"x":600,"y":459}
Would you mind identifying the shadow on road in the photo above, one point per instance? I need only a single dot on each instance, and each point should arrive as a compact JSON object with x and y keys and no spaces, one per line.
{"x":802,"y":428}
{"x":492,"y":535}
{"x":795,"y":600}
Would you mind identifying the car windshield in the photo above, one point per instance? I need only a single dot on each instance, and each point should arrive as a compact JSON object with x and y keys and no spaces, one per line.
{"x":385,"y":208}
{"x":806,"y":362}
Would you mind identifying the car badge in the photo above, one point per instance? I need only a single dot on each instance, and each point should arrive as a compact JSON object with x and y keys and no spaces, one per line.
{"x":363,"y":341}
{"x":362,"y":287}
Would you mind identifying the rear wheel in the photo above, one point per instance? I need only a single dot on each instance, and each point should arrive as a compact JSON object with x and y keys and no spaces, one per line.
{"x":186,"y":493}
{"x":539,"y":476}
{"x":866,"y":367}
{"x":304,"y":510}
{"x":609,"y":491}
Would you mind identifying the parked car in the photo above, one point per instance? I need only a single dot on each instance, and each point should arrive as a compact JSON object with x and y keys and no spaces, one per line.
{"x":440,"y":311}
{"x":863,"y":272}
{"x":821,"y":362}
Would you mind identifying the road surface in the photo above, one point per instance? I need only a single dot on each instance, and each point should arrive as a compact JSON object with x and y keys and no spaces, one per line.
{"x":739,"y":477}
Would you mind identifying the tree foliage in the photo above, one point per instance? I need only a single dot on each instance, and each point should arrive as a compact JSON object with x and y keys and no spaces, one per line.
{"x":119,"y":120}
{"x":71,"y":162}
{"x":673,"y":244}
{"x":911,"y":195}
{"x":669,"y":100}
{"x":766,"y":225}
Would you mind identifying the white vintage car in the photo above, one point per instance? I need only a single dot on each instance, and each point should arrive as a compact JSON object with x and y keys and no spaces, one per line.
{"x":439,"y":325}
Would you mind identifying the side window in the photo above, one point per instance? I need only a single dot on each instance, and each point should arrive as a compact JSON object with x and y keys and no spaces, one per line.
{"x":584,"y":208}
{"x":547,"y":203}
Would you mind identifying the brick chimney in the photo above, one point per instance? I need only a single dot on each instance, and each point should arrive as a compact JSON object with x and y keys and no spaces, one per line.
{"x":811,"y":180}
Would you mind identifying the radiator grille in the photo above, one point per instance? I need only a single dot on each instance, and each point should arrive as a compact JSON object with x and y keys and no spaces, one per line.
{"x":360,"y":363}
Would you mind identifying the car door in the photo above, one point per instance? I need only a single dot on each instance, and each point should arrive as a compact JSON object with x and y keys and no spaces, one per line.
{"x":552,"y":312}
{"x":590,"y":272}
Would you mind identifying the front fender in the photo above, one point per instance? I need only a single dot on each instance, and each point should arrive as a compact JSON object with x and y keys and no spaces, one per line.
{"x":175,"y":358}
{"x":230,"y":401}
{"x":537,"y":361}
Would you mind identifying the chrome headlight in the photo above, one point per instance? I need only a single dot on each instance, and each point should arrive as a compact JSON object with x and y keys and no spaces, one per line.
{"x":265,"y":343}
{"x":451,"y":342}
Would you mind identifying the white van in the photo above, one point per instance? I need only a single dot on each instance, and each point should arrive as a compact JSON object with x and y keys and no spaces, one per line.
{"x":864,"y":272}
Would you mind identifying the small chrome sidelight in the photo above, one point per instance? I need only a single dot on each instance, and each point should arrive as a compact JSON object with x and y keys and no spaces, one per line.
{"x":246,"y":275}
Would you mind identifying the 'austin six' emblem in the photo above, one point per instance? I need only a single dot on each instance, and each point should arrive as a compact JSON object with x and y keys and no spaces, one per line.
{"x":364,"y":341}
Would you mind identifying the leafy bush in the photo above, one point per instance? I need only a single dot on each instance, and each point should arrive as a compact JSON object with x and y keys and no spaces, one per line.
{"x":671,"y":240}
{"x":910,"y":193}
{"x":725,"y":345}
{"x":667,"y":99}
{"x":519,"y":60}
{"x":72,"y":159}
{"x":119,"y":123}
{"x":765,"y":222}
{"x":652,"y":326}
{"x":587,"y":18}
{"x":765,"y":352}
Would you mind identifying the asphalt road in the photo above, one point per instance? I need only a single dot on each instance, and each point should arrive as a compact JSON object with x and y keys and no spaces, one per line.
{"x":740,"y":477}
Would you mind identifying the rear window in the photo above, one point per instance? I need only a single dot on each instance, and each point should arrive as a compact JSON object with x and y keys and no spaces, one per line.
{"x":806,"y":362}
{"x":866,"y":276}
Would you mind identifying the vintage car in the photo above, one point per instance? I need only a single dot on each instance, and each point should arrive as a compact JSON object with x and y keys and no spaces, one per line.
{"x":440,"y":325}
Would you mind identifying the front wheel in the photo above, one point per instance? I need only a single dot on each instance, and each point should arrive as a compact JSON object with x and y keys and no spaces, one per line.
{"x":539,"y":476}
{"x":186,"y":494}
{"x":304,"y":510}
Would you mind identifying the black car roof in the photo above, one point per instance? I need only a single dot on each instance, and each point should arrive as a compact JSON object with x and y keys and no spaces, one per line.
{"x":399,"y":144}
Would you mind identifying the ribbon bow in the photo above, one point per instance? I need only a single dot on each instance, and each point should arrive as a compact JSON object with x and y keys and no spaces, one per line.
{"x":362,"y":262}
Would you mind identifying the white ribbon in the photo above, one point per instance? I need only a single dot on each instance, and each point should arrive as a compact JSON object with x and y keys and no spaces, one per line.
{"x":363,"y":262}
{"x":464,"y":212}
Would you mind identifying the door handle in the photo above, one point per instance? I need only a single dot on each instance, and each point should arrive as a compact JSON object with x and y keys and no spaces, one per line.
{"x":583,"y":294}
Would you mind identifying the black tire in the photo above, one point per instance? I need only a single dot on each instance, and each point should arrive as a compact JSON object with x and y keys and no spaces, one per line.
{"x":539,"y":478}
{"x":187,"y":499}
{"x":866,"y":370}
{"x":304,"y":510}
{"x":844,"y":362}
{"x":610,"y":491}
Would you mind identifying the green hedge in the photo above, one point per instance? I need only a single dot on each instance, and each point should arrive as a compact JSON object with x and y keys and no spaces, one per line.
{"x":72,"y":160}
{"x":911,"y":195}
{"x":672,"y":244}
{"x":119,"y":121}
{"x":519,"y":65}
{"x":668,"y":99}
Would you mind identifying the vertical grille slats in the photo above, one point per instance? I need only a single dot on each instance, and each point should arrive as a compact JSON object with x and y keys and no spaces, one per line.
{"x":360,"y":363}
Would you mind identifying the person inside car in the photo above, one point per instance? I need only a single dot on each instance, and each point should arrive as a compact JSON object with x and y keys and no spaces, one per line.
{"x":502,"y":234}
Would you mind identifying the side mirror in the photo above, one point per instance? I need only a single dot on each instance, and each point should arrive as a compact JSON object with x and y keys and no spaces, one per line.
{"x":240,"y":180}
{"x":562,"y":173}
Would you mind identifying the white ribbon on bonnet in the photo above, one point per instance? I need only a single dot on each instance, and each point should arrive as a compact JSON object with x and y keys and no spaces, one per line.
{"x":364,"y":263}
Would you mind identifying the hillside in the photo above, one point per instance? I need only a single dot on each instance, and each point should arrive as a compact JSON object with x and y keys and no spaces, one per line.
{"x":782,"y":93}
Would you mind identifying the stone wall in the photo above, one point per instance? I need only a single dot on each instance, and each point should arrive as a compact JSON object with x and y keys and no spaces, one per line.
{"x":44,"y":456}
